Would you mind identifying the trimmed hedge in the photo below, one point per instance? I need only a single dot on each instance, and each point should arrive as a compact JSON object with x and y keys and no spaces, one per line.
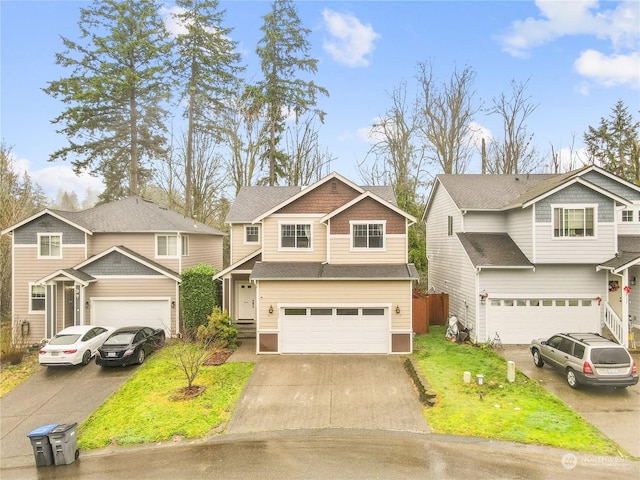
{"x":198,"y":295}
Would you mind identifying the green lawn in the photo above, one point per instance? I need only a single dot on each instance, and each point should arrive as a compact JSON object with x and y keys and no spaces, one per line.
{"x":142,"y":411}
{"x":13,"y":375}
{"x":521,"y":411}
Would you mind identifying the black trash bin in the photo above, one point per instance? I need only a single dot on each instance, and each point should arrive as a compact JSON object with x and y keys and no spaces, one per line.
{"x":41,"y":446}
{"x":64,"y":444}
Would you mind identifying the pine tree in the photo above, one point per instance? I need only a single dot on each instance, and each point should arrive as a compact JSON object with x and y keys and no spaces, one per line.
{"x":115,"y":93}
{"x":284,"y":55}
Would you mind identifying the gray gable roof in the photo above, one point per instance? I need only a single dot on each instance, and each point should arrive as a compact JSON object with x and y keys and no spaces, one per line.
{"x":135,"y":214}
{"x":251,"y":202}
{"x":323,"y":271}
{"x":628,"y":254}
{"x":493,"y":250}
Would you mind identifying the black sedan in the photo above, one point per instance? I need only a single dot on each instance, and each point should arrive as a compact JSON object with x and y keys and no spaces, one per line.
{"x":129,"y":345}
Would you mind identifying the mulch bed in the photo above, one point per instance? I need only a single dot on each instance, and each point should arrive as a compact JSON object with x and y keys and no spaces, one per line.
{"x":218,"y":358}
{"x":186,"y":393}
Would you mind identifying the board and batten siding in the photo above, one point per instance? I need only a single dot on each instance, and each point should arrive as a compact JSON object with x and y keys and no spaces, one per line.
{"x":449,"y":268}
{"x":271,"y":241}
{"x":394,"y":251}
{"x":240,"y":249}
{"x":335,"y":293}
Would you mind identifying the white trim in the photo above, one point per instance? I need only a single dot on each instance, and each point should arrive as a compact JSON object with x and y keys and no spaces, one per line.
{"x":46,"y":211}
{"x":244,"y":239}
{"x":39,"y":255}
{"x":295,"y":224}
{"x":353,"y":223}
{"x":30,"y":298}
{"x":574,"y":206}
{"x":158,"y":235}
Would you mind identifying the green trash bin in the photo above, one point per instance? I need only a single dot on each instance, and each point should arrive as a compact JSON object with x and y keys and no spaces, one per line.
{"x":41,"y":445}
{"x":64,"y":444}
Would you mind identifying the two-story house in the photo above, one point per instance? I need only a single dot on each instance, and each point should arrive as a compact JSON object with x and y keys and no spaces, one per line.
{"x":115,"y":264}
{"x":320,"y":269}
{"x":526,"y":256}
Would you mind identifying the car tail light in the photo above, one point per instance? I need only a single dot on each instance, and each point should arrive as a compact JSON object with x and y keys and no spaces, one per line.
{"x":586,"y":368}
{"x":634,"y":368}
{"x":69,"y":352}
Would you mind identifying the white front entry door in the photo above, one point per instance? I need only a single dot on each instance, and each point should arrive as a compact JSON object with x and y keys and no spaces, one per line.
{"x":246,"y":300}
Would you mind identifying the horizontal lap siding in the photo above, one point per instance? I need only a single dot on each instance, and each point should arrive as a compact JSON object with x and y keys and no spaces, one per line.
{"x":395,"y":251}
{"x":238,"y":248}
{"x":271,"y":231}
{"x":574,"y":250}
{"x":203,"y":249}
{"x":335,"y":294}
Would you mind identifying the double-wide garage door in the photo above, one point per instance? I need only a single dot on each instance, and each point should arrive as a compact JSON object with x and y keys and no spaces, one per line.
{"x":334,"y":330}
{"x":154,"y":313}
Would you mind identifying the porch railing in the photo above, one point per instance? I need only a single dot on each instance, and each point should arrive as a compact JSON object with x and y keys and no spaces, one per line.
{"x":618,"y":328}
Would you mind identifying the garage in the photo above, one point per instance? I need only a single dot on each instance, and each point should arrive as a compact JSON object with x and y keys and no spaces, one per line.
{"x":149,"y":312}
{"x":518,"y":321}
{"x":352,"y":329}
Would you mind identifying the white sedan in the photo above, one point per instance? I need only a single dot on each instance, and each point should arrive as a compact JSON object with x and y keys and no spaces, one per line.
{"x":74,"y":345}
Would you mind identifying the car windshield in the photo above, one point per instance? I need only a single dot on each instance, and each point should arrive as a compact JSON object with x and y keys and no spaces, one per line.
{"x":609,"y":356}
{"x":64,"y":339}
{"x":120,"y":339}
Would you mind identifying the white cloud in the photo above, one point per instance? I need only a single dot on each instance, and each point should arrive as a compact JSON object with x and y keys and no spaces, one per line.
{"x":171,"y":21}
{"x":609,"y":71}
{"x":350,"y":42}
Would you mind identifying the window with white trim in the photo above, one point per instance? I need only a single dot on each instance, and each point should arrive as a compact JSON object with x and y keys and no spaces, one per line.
{"x":449,"y":226}
{"x":37,"y":295}
{"x":627,"y":215}
{"x":166,"y":245}
{"x":367,"y":235}
{"x":573,"y":222}
{"x":295,"y":235}
{"x":251,"y":234}
{"x":185,"y":245}
{"x":49,"y":245}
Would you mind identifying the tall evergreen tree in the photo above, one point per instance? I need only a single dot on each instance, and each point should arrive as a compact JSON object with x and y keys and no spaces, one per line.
{"x":615,"y":143}
{"x":207,"y":68}
{"x":115,"y":93}
{"x":284,"y":55}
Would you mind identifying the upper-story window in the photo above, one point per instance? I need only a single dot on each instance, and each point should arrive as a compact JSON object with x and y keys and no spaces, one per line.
{"x":295,"y":235}
{"x":36,"y":298}
{"x":627,"y":215}
{"x":449,"y":226}
{"x":251,"y":234}
{"x":185,"y":245}
{"x":367,"y":235}
{"x":166,"y":245}
{"x":574,"y":222}
{"x":49,"y":245}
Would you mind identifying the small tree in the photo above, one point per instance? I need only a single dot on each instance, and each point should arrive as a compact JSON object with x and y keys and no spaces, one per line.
{"x":190,"y":354}
{"x":198,"y":294}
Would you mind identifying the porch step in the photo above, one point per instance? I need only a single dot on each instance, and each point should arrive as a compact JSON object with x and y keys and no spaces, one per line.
{"x":246,"y":330}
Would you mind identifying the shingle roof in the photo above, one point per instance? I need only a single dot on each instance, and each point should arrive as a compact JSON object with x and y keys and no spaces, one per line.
{"x":628,"y":252}
{"x":493,"y":250}
{"x":135,"y":214}
{"x":251,"y":202}
{"x":322,"y":271}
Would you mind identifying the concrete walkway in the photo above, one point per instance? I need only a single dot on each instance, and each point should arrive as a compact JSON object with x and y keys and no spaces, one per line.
{"x":328,"y":391}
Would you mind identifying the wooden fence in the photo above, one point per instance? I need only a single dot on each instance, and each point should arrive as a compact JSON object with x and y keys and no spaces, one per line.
{"x":431,"y":309}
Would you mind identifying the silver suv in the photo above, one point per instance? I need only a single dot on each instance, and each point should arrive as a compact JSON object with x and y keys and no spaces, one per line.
{"x":586,"y":359}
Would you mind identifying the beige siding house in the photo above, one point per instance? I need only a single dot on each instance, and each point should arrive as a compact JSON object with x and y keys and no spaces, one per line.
{"x":528,"y":256}
{"x":320,"y":269}
{"x":116,"y":264}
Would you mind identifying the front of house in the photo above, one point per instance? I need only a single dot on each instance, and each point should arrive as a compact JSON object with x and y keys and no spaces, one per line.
{"x":320,"y":269}
{"x":115,"y":264}
{"x":527,"y":256}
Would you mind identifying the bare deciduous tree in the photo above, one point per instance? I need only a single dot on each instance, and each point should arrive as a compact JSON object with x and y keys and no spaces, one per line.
{"x":305,"y":162}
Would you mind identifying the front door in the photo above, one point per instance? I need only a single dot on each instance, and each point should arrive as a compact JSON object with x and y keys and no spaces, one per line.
{"x":246,"y":301}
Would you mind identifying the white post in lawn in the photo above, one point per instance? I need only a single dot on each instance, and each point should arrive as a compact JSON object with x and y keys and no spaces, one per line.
{"x":511,"y":371}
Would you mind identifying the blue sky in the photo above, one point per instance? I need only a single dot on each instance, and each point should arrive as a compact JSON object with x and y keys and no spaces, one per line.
{"x":578,"y":57}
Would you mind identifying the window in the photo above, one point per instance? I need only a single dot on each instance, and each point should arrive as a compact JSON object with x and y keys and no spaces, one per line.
{"x":573,"y":222}
{"x":49,"y":245}
{"x":295,"y":236}
{"x":450,"y":225}
{"x":627,"y":215}
{"x":251,"y":234}
{"x":368,"y":235}
{"x":167,"y":245}
{"x":185,"y":245}
{"x":37,"y":296}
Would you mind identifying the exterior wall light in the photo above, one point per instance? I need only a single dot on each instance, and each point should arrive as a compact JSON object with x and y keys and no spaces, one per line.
{"x":398,"y":309}
{"x":270,"y":308}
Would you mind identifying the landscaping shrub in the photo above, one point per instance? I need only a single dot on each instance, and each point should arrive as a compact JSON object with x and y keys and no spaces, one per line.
{"x":219,"y":332}
{"x":12,"y":350}
{"x":198,"y":294}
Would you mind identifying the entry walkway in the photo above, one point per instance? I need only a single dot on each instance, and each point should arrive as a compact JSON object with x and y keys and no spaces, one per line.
{"x":328,"y":391}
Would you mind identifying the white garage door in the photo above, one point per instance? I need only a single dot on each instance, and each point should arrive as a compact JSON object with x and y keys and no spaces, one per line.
{"x":518,"y":321}
{"x":123,"y":313}
{"x":334,"y":330}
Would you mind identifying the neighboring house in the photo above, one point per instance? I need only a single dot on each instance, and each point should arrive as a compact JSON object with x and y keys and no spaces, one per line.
{"x":526,"y":256}
{"x":116,"y":264}
{"x":320,"y":269}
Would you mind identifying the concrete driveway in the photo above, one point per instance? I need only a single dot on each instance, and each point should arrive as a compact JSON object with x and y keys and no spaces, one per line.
{"x":328,"y":391}
{"x":53,"y":395}
{"x":614,"y":411}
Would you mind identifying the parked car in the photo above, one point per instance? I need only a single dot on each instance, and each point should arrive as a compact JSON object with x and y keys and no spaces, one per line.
{"x":129,"y":345}
{"x":586,"y":359}
{"x":73,"y":345}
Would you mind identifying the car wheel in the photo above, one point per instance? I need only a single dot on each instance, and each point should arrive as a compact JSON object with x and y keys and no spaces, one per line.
{"x":141,"y":356}
{"x":86,"y":357}
{"x":537,"y":358}
{"x":572,"y":380}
